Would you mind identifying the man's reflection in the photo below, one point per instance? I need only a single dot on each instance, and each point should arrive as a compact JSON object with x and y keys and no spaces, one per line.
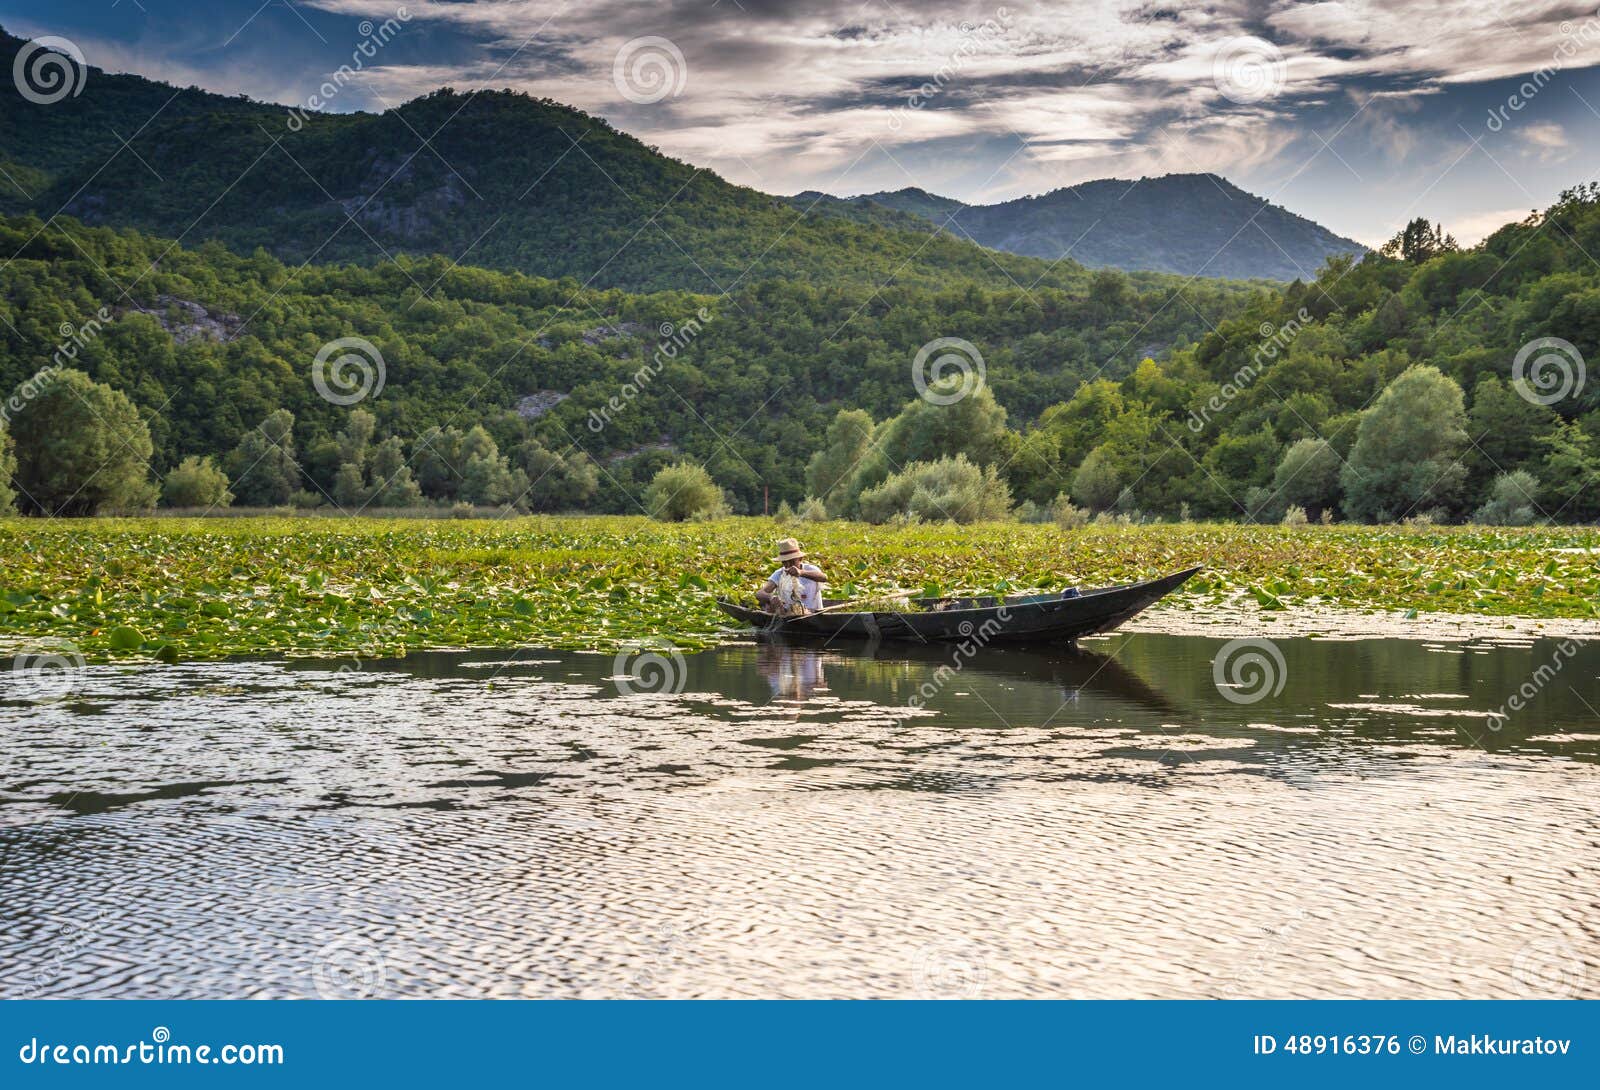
{"x":794,"y":673}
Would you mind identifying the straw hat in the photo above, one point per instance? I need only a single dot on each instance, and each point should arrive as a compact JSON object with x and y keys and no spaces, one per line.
{"x":789,"y":549}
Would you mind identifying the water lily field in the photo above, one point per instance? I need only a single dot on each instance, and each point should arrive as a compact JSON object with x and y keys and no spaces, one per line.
{"x":180,"y":589}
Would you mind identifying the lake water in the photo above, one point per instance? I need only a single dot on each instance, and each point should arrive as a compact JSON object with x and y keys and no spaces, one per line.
{"x":1153,"y":816}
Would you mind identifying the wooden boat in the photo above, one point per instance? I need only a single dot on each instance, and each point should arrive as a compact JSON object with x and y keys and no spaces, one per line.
{"x":1036,"y":618}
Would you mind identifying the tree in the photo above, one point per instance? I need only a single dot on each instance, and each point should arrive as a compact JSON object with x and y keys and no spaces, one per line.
{"x":1308,"y":476}
{"x":8,"y":467}
{"x":355,"y":438}
{"x":486,"y":474}
{"x":1507,"y":432}
{"x":682,"y":491}
{"x":436,"y":458}
{"x":350,"y":488}
{"x":1572,"y":475}
{"x":948,"y":489}
{"x":262,"y":467}
{"x":392,"y":484}
{"x":1418,"y":241}
{"x":847,"y":441}
{"x":196,"y":482}
{"x":1096,"y":484}
{"x":81,"y":448}
{"x":1407,"y":454}
{"x":556,"y":482}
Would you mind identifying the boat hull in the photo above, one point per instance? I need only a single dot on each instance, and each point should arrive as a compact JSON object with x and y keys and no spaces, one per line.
{"x":1035,"y":618}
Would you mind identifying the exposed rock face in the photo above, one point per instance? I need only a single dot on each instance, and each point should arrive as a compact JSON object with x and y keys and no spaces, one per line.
{"x":187,"y":320}
{"x":387,"y":204}
{"x":534,"y":405}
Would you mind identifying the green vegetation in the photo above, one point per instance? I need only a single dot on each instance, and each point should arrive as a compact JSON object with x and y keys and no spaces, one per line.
{"x":462,"y":356}
{"x":506,"y":181}
{"x":195,"y":588}
{"x":1195,"y":224}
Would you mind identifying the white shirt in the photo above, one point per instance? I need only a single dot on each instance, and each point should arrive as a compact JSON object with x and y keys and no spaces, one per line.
{"x":791,"y":588}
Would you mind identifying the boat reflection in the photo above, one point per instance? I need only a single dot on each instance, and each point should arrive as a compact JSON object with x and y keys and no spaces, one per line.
{"x":893,"y":673}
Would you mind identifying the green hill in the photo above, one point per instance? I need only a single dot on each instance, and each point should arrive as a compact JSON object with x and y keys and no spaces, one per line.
{"x":1193,"y":224}
{"x":493,"y":179}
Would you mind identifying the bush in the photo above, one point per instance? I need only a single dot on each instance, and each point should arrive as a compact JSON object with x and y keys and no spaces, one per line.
{"x":684,"y":491}
{"x":1066,"y":514}
{"x":8,"y":466}
{"x":196,"y":482}
{"x":1096,"y":483}
{"x":1511,"y":500}
{"x":950,"y":488}
{"x":1308,"y":476}
{"x":813,"y":510}
{"x":1408,"y":448}
{"x":1295,"y":516}
{"x":82,"y":447}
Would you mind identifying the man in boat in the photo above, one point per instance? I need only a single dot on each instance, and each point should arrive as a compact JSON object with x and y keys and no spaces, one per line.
{"x":795,"y":589}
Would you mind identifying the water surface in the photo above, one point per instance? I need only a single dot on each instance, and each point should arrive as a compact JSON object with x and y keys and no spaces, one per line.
{"x":1154,"y":816}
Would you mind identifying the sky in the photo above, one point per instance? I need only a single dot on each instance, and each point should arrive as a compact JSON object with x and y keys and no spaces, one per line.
{"x":1358,"y":114}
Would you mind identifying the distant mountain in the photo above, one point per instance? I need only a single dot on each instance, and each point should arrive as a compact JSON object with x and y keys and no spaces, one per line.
{"x":1193,"y":224}
{"x":492,"y":179}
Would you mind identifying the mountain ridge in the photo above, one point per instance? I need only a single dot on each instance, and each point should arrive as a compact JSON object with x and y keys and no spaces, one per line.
{"x":1197,"y":224}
